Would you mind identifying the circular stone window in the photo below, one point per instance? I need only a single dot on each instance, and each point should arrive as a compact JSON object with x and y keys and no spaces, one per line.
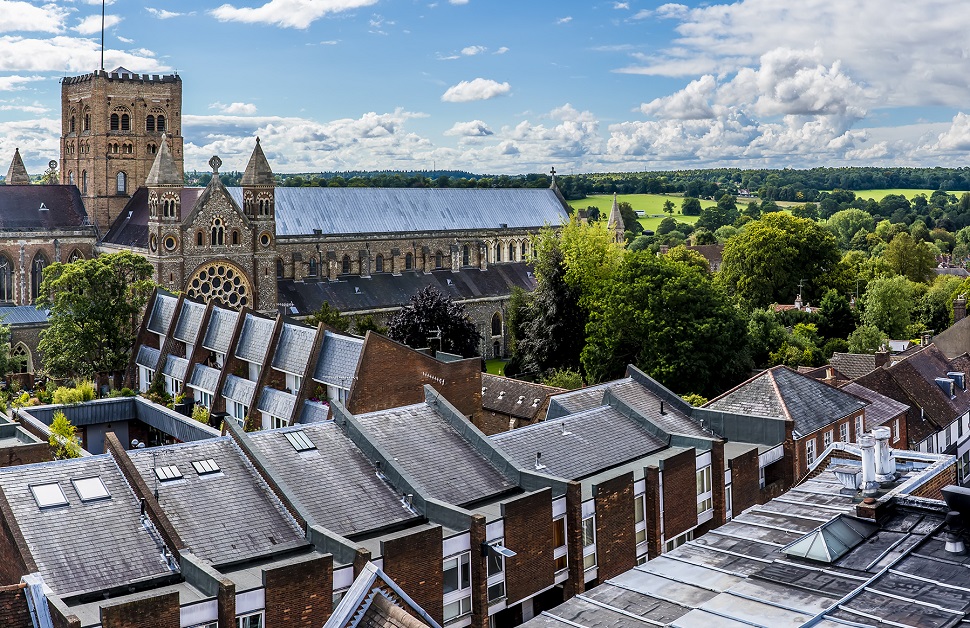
{"x":221,"y":282}
{"x":170,"y":242}
{"x":153,"y":243}
{"x":265,"y":239}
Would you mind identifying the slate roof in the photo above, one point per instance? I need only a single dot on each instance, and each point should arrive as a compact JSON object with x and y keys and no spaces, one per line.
{"x":204,"y":378}
{"x":163,"y":311}
{"x":20,"y":208}
{"x":581,"y":399}
{"x":579,"y":445}
{"x":293,"y":349}
{"x":647,"y":404}
{"x":148,"y":357}
{"x":337,"y":361}
{"x":130,"y":228}
{"x":255,"y":337}
{"x":854,"y":365}
{"x":782,"y":393}
{"x":382,"y":290}
{"x":83,"y":547}
{"x":164,"y":170}
{"x":276,"y":403}
{"x":190,"y":322}
{"x":223,"y":517}
{"x":239,"y":389}
{"x":175,"y":367}
{"x":314,"y":412}
{"x":514,"y":396}
{"x":335,"y":482}
{"x":425,"y":445}
{"x":257,"y":171}
{"x":218,"y":332}
{"x":881,"y":409}
{"x":918,"y":426}
{"x":14,"y":315}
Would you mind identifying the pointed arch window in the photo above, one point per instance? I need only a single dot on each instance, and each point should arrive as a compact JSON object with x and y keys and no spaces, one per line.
{"x":125,"y":122}
{"x":465,"y":256}
{"x":198,"y":239}
{"x":115,"y":123}
{"x":438,"y":259}
{"x":511,"y":251}
{"x":498,"y":252}
{"x":279,"y":268}
{"x":312,"y":267}
{"x":6,"y":279}
{"x":73,"y":123}
{"x":87,"y":120}
{"x":218,"y":232}
{"x":345,"y":265}
{"x":70,"y":177}
{"x":150,"y":124}
{"x":379,"y":264}
{"x":37,"y":274}
{"x":408,"y":262}
{"x":20,"y":358}
{"x":122,"y":181}
{"x":496,"y":324}
{"x":84,"y":182}
{"x":235,"y":237}
{"x":160,"y":123}
{"x":525,"y":250}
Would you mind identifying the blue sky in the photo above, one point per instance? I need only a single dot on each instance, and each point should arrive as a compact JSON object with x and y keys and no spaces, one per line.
{"x":496,"y":86}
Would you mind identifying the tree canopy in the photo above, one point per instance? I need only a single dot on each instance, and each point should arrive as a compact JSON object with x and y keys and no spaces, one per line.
{"x":429,"y":312}
{"x":95,"y":309}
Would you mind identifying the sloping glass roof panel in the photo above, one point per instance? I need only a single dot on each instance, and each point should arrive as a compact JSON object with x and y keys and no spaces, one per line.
{"x":832,"y":539}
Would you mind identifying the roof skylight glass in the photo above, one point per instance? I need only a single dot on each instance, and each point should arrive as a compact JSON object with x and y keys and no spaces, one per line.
{"x":90,"y":489}
{"x":205,"y":467}
{"x":299,"y":440}
{"x":164,"y":474}
{"x":47,"y":495}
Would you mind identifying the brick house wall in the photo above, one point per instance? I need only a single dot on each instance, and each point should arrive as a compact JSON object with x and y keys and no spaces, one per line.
{"x":528,"y":531}
{"x":300,"y":593}
{"x":153,"y":611}
{"x":414,"y":562}
{"x":745,"y":481}
{"x":14,"y":612}
{"x":390,"y":375}
{"x":801,"y":455}
{"x":616,"y":542}
{"x":15,"y":559}
{"x":679,"y":480}
{"x":654,"y":511}
{"x":575,"y":583}
{"x":24,"y":454}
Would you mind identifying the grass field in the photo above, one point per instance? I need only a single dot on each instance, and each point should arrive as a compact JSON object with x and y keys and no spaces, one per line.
{"x":651,"y":204}
{"x":496,"y":367}
{"x":878,"y":195}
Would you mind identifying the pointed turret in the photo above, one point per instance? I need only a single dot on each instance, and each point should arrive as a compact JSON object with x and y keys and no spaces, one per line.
{"x":17,"y":174}
{"x":164,"y":183}
{"x":615,"y":223}
{"x":259,"y":187}
{"x":258,"y":173}
{"x":164,"y":171}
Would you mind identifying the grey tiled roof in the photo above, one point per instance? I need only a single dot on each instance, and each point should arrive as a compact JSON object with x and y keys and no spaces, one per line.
{"x":314,"y":412}
{"x":514,"y":396}
{"x":293,"y":349}
{"x":83,"y":547}
{"x":175,"y":367}
{"x":336,"y":483}
{"x":594,"y":440}
{"x":205,"y":378}
{"x":854,"y":365}
{"x":239,"y":389}
{"x":276,"y":403}
{"x":647,"y":404}
{"x":224,"y":517}
{"x":581,"y":399}
{"x":23,"y":315}
{"x":218,"y":332}
{"x":782,"y":393}
{"x":435,"y":454}
{"x":338,"y":358}
{"x":148,"y":357}
{"x":256,"y":334}
{"x":162,"y":313}
{"x":190,"y":321}
{"x":881,"y":409}
{"x":64,"y":208}
{"x":394,"y":210}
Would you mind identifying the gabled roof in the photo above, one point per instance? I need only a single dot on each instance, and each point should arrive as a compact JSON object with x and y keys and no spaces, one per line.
{"x":204,"y":378}
{"x":881,"y":381}
{"x":276,"y":403}
{"x":130,"y":228}
{"x":337,"y":360}
{"x":881,"y":409}
{"x":224,"y":517}
{"x":515,"y":397}
{"x":42,"y":207}
{"x":164,"y":170}
{"x":854,"y":365}
{"x":426,"y":446}
{"x":293,"y":349}
{"x":579,"y":445}
{"x":782,"y":393}
{"x":255,"y":337}
{"x":335,"y":482}
{"x":218,"y":332}
{"x":258,"y":172}
{"x":83,"y":546}
{"x":190,"y":321}
{"x":17,"y":173}
{"x":163,"y":312}
{"x":376,"y":601}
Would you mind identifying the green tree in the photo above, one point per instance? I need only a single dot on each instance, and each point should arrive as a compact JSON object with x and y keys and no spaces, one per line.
{"x":671,"y":321}
{"x":689,"y":257}
{"x":328,"y":315}
{"x":766,"y":335}
{"x":63,"y":440}
{"x":764,"y":263}
{"x":909,"y":258}
{"x":725,"y":212}
{"x":934,"y":310}
{"x":847,"y":223}
{"x":564,"y":378}
{"x":364,"y":324}
{"x":694,"y":399}
{"x":669,"y":207}
{"x":629,"y":216}
{"x":836,"y":316}
{"x":432,"y":319}
{"x":95,"y":308}
{"x":887,"y":305}
{"x":590,"y":255}
{"x":690,"y":206}
{"x":866,"y":339}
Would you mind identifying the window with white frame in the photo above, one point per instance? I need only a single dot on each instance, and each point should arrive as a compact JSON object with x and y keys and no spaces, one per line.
{"x":495,"y":569}
{"x":145,"y":377}
{"x":294,"y":383}
{"x":456,"y":586}
{"x":810,"y":450}
{"x":761,"y":476}
{"x":844,"y":432}
{"x":559,"y":543}
{"x":172,"y":386}
{"x":250,"y":620}
{"x":705,"y":494}
{"x":859,"y":431}
{"x":895,"y":428}
{"x":963,"y":466}
{"x":948,"y":436}
{"x":203,"y":398}
{"x":677,"y":541}
{"x":238,"y":411}
{"x":589,"y":542}
{"x":729,"y":501}
{"x":277,"y":422}
{"x":640,"y":517}
{"x":826,"y":439}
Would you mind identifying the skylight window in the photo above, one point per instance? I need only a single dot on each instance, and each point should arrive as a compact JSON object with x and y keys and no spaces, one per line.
{"x":165,"y":474}
{"x":206,"y":467}
{"x":90,"y":489}
{"x":299,"y":440}
{"x":48,"y":495}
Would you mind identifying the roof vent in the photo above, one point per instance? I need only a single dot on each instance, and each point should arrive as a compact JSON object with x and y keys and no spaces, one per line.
{"x":662,"y":407}
{"x":356,"y":290}
{"x":484,"y":388}
{"x":954,"y":542}
{"x":42,"y":208}
{"x":946,"y":384}
{"x":501,"y":394}
{"x":565,"y":432}
{"x":450,"y":282}
{"x":535,"y":403}
{"x":521,"y":399}
{"x":539,"y":466}
{"x":959,"y":378}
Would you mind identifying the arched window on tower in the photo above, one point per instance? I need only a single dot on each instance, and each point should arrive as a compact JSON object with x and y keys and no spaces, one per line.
{"x":6,"y":279}
{"x":160,"y":123}
{"x":84,"y":182}
{"x":150,"y":124}
{"x":87,"y":120}
{"x":345,"y":265}
{"x":125,"y":122}
{"x":152,"y":149}
{"x":439,"y":259}
{"x":279,"y":268}
{"x":379,"y":264}
{"x":73,"y":123}
{"x":496,"y":324}
{"x":37,"y":274}
{"x":312,"y":267}
{"x":70,"y":177}
{"x":408,"y":261}
{"x":498,"y":251}
{"x":525,"y":250}
{"x":198,"y":239}
{"x":511,"y":251}
{"x":218,"y":232}
{"x":465,"y":256}
{"x":122,"y":181}
{"x":115,"y":122}
{"x":235,"y":237}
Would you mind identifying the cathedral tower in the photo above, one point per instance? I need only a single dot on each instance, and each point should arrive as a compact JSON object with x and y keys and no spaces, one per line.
{"x":111,"y":131}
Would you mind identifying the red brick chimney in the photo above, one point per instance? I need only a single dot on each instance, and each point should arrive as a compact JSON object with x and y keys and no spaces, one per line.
{"x":959,"y":308}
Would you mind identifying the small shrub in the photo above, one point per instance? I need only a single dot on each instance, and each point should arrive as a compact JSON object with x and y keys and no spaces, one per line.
{"x":201,"y":414}
{"x":20,"y":400}
{"x":564,"y":378}
{"x":84,"y":391}
{"x":63,"y":439}
{"x":694,"y":399}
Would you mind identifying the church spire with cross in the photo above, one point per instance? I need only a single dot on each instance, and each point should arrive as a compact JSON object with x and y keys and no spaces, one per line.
{"x":615,"y":223}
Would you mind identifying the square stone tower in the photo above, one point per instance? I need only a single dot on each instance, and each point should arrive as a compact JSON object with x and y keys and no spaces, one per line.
{"x":111,"y":129}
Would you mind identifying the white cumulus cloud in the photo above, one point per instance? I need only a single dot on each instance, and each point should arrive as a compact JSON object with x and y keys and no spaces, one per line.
{"x":24,"y":16}
{"x":92,"y":24}
{"x":163,"y":14}
{"x":475,"y":128}
{"x":71,"y":54}
{"x":11,"y":83}
{"x":235,"y":109}
{"x":287,"y":13}
{"x":470,"y":51}
{"x":476,"y":89}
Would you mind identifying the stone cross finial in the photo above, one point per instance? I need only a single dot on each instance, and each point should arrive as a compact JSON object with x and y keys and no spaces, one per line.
{"x":215,"y":164}
{"x":553,"y":172}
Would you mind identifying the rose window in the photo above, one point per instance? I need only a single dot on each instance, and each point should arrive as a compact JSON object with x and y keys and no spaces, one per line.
{"x":220,"y":282}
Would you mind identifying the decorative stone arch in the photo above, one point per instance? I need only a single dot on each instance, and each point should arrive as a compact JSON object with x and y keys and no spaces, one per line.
{"x":312,"y":269}
{"x":218,"y":232}
{"x":408,"y":261}
{"x":6,"y":279}
{"x":497,"y":324}
{"x":22,"y":359}
{"x":121,"y":181}
{"x":345,"y":265}
{"x":37,"y":266}
{"x":379,"y":263}
{"x":75,"y":256}
{"x":439,"y":259}
{"x":223,"y":282}
{"x":120,"y":119}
